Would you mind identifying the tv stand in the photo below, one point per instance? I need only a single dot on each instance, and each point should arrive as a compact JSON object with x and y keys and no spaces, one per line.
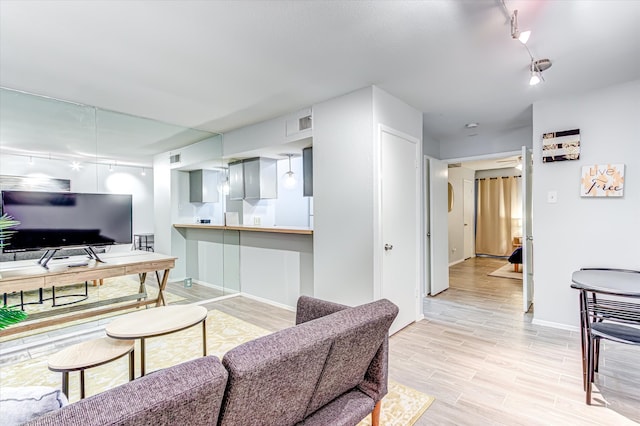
{"x":48,"y":255}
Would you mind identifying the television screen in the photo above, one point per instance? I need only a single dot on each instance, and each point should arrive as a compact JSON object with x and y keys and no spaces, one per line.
{"x":50,"y":220}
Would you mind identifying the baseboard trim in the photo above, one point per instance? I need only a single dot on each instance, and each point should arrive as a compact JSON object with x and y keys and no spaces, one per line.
{"x":555,"y":325}
{"x":268,"y":302}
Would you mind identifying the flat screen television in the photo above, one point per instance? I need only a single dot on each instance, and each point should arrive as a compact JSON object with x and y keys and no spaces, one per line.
{"x":53,"y":220}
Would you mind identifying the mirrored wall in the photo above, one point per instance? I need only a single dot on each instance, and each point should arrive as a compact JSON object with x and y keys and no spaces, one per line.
{"x":54,"y":145}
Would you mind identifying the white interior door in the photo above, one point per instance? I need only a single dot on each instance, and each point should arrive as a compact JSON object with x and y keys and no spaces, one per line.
{"x":468,"y":223}
{"x":527,"y":243}
{"x":400,"y":220}
{"x":439,"y":235}
{"x":427,"y":226}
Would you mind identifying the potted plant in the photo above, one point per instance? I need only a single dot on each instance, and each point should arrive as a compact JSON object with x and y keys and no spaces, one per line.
{"x":8,"y":315}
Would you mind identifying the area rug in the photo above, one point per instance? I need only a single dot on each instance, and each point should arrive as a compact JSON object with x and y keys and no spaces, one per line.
{"x":507,"y":271}
{"x":402,"y":406}
{"x":111,"y":288}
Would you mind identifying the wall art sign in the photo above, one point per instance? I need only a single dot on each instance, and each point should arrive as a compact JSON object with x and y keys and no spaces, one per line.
{"x":560,"y":146}
{"x":602,"y":180}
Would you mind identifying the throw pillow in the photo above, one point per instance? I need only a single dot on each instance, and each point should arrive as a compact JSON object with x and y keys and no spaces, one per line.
{"x":21,"y":404}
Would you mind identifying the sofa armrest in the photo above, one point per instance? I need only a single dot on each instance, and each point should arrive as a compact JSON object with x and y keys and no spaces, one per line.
{"x":310,"y":308}
{"x":187,"y":393}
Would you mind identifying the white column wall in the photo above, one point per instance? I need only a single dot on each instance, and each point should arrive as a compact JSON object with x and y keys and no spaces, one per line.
{"x":580,"y":232}
{"x":343,"y":198}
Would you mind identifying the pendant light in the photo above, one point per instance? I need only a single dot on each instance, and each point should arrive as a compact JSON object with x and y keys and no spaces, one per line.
{"x":290,"y":180}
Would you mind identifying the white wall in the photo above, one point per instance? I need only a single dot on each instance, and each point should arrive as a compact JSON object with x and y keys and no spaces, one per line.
{"x":457,"y":176}
{"x":343,"y":198}
{"x":580,"y":232}
{"x":291,"y":208}
{"x":430,"y":146}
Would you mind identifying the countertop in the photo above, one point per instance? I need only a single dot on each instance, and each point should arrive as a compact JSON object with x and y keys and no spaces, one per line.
{"x":254,"y":228}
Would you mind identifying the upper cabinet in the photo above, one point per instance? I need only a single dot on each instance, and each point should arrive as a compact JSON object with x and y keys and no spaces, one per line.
{"x":260,"y":178}
{"x":203,"y":186}
{"x":236,"y":181}
{"x":253,"y":179}
{"x":307,"y":172}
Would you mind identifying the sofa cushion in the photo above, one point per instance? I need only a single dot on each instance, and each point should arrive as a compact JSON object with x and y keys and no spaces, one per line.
{"x":189,"y":394}
{"x":358,"y":333}
{"x":346,"y":410}
{"x":20,"y":404}
{"x":272,"y":378}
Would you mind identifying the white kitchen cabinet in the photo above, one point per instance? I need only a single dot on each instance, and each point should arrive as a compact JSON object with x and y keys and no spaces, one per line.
{"x":203,"y":186}
{"x":236,"y":181}
{"x":260,"y":178}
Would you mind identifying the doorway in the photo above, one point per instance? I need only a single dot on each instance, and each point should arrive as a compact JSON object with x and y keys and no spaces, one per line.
{"x":463,"y":173}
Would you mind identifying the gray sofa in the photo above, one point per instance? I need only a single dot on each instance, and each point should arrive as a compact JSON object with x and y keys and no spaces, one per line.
{"x":329,"y":369}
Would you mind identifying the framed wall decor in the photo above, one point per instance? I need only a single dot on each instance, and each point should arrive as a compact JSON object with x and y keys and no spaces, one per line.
{"x":602,"y":180}
{"x":561,"y":146}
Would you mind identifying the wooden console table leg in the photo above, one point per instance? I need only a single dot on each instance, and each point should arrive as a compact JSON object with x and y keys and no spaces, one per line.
{"x":161,"y":286}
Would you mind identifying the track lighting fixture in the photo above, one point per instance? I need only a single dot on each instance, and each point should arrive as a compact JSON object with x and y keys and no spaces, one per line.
{"x":537,"y":65}
{"x":523,"y":37}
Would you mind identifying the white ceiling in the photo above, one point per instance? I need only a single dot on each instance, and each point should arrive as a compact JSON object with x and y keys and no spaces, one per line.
{"x":220,"y":65}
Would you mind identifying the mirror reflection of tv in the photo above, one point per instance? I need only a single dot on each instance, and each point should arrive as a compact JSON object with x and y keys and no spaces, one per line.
{"x":52,"y":220}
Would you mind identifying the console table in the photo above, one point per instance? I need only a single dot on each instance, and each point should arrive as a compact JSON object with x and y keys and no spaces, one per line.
{"x":28,"y":275}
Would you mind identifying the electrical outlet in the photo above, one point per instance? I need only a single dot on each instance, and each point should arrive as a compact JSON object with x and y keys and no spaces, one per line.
{"x":256,"y":220}
{"x":188,"y":282}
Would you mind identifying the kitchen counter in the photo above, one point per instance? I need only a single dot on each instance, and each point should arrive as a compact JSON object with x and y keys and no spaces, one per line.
{"x":271,"y":229}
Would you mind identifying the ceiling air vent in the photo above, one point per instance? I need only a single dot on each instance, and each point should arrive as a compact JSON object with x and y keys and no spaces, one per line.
{"x":304,"y":123}
{"x":175,"y":158}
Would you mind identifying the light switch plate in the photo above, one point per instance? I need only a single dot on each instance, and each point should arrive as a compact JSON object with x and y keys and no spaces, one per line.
{"x":552,"y":197}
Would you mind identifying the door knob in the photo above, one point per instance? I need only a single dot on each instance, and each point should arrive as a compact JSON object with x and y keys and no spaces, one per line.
{"x":388,"y":247}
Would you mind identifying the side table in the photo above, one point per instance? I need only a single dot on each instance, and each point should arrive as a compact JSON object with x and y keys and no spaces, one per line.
{"x":158,"y":322}
{"x":91,"y":353}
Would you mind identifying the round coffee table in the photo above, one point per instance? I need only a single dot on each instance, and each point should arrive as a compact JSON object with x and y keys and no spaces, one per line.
{"x":91,"y":353}
{"x":157,"y":322}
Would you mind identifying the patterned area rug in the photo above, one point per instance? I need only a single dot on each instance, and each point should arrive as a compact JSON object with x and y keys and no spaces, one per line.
{"x":507,"y":271}
{"x":401,"y":407}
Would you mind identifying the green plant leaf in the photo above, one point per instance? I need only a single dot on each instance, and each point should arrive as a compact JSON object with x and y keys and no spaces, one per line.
{"x":10,"y":316}
{"x":6,"y":223}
